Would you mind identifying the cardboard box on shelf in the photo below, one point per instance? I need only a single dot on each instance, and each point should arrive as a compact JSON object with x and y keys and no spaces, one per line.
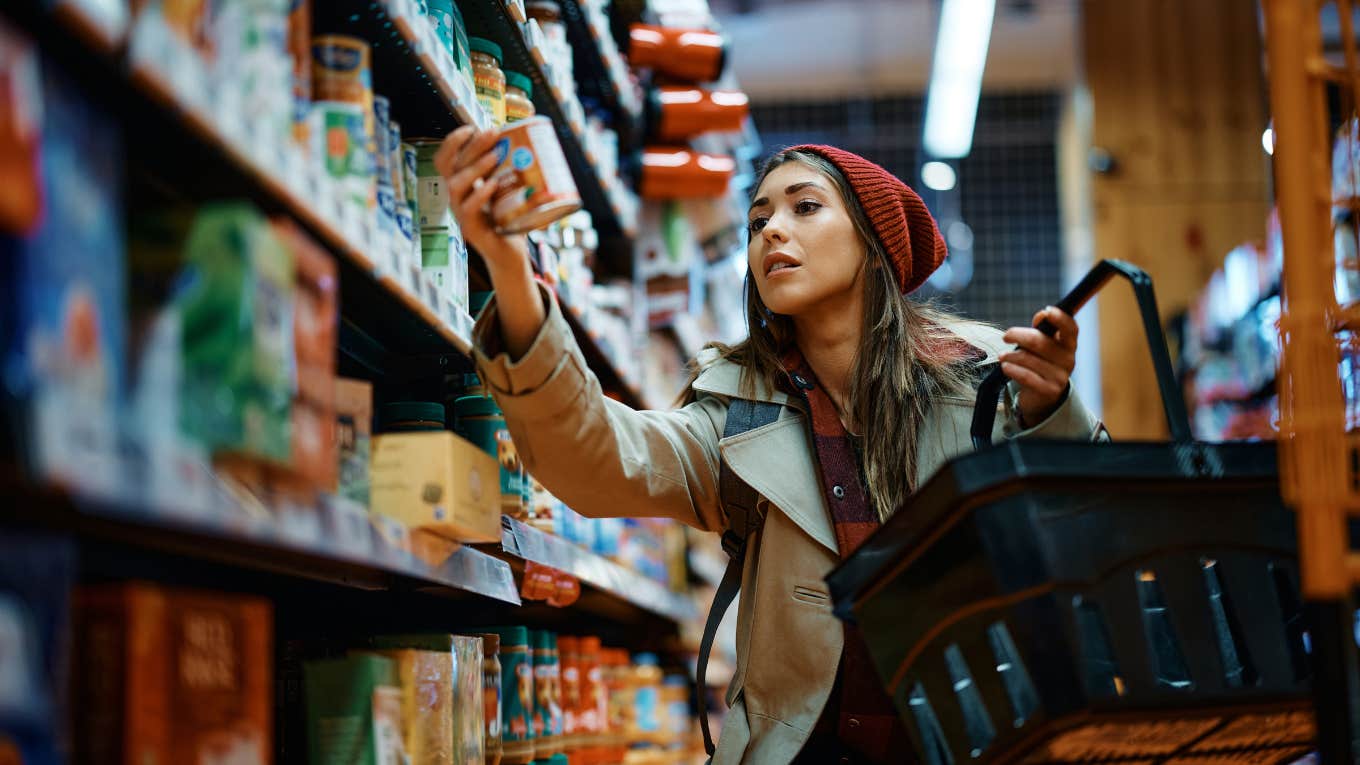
{"x":437,"y":482}
{"x":168,"y":675}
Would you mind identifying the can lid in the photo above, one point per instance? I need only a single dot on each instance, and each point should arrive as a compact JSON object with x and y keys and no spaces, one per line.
{"x":476,"y":406}
{"x":483,"y":45}
{"x":405,"y":411}
{"x":517,"y":80}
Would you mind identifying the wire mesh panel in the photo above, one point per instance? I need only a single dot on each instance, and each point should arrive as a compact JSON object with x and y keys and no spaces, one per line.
{"x":1007,"y":192}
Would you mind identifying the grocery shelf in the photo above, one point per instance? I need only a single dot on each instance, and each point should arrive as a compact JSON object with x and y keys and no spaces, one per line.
{"x":165,"y":123}
{"x":604,"y":369}
{"x":493,"y":20}
{"x":269,"y":545}
{"x":599,"y":74}
{"x":530,"y":544}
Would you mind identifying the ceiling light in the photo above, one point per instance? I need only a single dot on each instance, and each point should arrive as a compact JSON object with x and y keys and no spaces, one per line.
{"x":956,"y":76}
{"x":939,"y":176}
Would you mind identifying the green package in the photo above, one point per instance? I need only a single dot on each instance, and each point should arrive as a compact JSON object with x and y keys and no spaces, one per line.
{"x":339,"y":698}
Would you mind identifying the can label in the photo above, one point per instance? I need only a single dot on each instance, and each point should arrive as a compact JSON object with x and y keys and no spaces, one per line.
{"x":409,"y":178}
{"x":340,"y":70}
{"x":517,"y":694}
{"x":346,"y":157}
{"x":491,"y":95}
{"x":435,"y":249}
{"x":493,"y":437}
{"x":534,"y":183}
{"x":433,"y":198}
{"x":547,"y":707}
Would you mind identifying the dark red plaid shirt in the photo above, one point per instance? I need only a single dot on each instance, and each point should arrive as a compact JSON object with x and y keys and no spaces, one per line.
{"x":859,"y":714}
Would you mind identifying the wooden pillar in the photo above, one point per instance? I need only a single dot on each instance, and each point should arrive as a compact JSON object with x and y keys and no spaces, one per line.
{"x":1179,"y":104}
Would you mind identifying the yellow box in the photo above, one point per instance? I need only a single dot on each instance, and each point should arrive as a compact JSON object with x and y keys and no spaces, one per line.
{"x":437,"y":482}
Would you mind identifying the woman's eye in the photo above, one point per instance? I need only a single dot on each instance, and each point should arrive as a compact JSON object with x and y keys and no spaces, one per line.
{"x":756,"y":224}
{"x":806,"y":206}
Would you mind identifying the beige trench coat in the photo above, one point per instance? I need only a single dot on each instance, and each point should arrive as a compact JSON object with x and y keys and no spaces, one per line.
{"x":604,"y":459}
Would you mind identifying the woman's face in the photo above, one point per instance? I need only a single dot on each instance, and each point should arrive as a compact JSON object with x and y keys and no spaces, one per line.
{"x":804,"y":251}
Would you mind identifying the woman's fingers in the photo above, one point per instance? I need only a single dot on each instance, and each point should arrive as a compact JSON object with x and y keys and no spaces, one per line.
{"x":1043,"y":346}
{"x":1049,"y":378}
{"x":474,"y":203}
{"x":461,"y":182}
{"x":1063,"y":322}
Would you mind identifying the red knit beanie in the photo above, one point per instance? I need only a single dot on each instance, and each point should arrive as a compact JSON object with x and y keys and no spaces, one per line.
{"x":904,"y":226}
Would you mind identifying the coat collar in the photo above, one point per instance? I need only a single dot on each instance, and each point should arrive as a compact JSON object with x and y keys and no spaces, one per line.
{"x":776,"y":459}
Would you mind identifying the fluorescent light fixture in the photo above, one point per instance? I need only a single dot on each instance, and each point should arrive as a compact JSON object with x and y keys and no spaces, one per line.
{"x":938,"y":175}
{"x":1268,"y":141}
{"x":956,"y":76}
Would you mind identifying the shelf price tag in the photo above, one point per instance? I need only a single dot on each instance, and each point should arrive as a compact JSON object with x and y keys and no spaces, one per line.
{"x":347,"y":528}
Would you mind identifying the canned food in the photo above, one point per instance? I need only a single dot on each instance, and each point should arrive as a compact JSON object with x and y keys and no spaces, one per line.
{"x":534,"y":184}
{"x":408,"y":178}
{"x":340,"y":70}
{"x":343,"y":145}
{"x":432,"y":195}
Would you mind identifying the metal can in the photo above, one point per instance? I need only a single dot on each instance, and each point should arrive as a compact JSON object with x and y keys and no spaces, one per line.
{"x":517,"y":696}
{"x":342,"y":140}
{"x":432,"y":195}
{"x":534,"y":183}
{"x":341,"y":73}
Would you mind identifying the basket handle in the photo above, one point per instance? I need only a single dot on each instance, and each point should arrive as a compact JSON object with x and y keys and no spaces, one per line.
{"x":989,"y":392}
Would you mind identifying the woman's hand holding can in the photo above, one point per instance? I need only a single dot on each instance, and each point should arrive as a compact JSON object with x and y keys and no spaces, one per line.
{"x":466,"y":161}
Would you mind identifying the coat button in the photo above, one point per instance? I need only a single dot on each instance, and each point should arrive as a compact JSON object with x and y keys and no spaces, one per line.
{"x":853,"y":722}
{"x":839,"y":491}
{"x":801,"y":382}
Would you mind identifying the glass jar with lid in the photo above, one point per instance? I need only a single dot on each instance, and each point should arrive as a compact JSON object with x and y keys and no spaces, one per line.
{"x":519,"y":94}
{"x":488,"y":77}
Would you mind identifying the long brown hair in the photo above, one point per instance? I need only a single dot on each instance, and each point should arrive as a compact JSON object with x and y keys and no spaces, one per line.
{"x":907,"y":356}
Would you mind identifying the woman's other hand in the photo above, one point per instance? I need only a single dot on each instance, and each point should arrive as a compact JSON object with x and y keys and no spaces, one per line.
{"x":1041,"y":365}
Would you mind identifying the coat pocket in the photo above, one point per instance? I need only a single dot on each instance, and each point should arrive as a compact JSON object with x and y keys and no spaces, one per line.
{"x":811,"y":596}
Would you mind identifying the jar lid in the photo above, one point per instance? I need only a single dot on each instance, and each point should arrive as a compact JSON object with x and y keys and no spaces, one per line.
{"x":476,"y":406}
{"x":483,"y":45}
{"x":517,"y":80}
{"x":511,"y":636}
{"x":407,"y":411}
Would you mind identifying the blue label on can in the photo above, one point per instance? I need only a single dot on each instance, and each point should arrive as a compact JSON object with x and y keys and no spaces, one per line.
{"x":524,"y":158}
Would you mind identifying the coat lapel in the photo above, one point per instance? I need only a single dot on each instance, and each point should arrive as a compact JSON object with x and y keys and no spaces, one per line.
{"x":776,"y":460}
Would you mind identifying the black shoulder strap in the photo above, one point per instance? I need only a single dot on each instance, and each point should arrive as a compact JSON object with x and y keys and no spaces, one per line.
{"x":739,"y":502}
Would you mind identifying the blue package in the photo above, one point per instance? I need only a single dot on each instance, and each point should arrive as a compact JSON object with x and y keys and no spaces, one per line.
{"x":63,"y":316}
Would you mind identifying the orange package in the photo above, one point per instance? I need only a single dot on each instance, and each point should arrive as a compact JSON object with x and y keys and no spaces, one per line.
{"x":167,"y":675}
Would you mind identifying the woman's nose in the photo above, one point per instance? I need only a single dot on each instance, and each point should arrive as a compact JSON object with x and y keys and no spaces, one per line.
{"x":774,"y":231}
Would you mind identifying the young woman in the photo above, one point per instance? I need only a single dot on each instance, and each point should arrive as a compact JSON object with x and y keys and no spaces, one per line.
{"x":877,"y":393}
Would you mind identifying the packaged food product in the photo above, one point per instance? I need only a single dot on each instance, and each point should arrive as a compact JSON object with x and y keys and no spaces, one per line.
{"x":534,"y":183}
{"x":519,"y":94}
{"x":645,"y":679}
{"x":344,"y":147}
{"x":479,"y":420}
{"x":64,"y":312}
{"x":170,"y":675}
{"x":236,"y":320}
{"x":344,"y":698}
{"x":341,"y":73}
{"x":426,"y":679}
{"x":354,"y":418}
{"x":569,"y":656}
{"x":488,"y":77}
{"x":37,"y":574}
{"x":692,"y":55}
{"x":678,"y":113}
{"x":381,"y":161}
{"x":492,"y":711}
{"x":299,"y":51}
{"x":388,"y":725}
{"x":436,"y":482}
{"x":517,"y":695}
{"x":464,"y":652}
{"x":431,"y":195}
{"x":547,"y":695}
{"x":593,"y":713}
{"x":681,"y":173}
{"x":411,"y":416}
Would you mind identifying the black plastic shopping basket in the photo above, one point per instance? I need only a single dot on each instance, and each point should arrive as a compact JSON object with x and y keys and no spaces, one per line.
{"x":1046,"y":601}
